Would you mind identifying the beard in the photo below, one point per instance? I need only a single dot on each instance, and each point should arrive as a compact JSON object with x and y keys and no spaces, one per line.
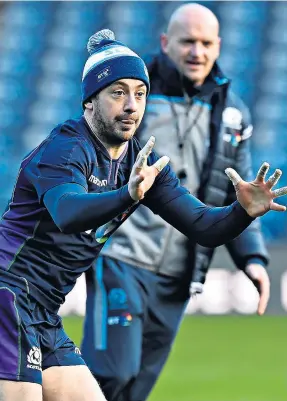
{"x":110,"y":131}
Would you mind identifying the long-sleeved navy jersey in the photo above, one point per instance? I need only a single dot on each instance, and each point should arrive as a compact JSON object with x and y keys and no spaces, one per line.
{"x":48,"y":247}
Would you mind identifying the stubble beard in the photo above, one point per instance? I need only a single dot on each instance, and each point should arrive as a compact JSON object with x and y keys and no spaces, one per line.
{"x":107,"y":131}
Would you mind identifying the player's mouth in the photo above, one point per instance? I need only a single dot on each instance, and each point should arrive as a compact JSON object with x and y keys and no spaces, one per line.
{"x":128,"y":122}
{"x":194,"y":65}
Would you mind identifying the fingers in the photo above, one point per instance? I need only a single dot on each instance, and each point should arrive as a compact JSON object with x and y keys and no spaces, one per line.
{"x":144,"y":153}
{"x":262,"y":172}
{"x":146,"y":150}
{"x":261,"y":281}
{"x":279,"y":192}
{"x":263,"y":298}
{"x":161,"y":163}
{"x":277,"y":207}
{"x":273,"y":179}
{"x":233,"y":176}
{"x":141,"y":161}
{"x":264,"y":292}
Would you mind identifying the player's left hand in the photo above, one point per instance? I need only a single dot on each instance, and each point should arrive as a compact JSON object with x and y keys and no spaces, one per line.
{"x":259,"y":277}
{"x":256,"y":197}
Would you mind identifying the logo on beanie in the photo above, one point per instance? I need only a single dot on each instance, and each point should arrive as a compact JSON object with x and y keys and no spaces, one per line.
{"x":104,"y":73}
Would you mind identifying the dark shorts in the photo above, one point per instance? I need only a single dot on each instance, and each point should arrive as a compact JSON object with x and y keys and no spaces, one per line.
{"x":31,"y":338}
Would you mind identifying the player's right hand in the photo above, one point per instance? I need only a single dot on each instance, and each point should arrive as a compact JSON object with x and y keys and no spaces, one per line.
{"x":142,"y":176}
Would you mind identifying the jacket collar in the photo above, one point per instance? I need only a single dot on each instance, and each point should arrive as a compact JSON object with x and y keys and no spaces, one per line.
{"x":173,"y":84}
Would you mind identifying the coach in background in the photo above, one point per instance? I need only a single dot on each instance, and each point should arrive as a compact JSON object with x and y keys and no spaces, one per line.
{"x":150,"y":267}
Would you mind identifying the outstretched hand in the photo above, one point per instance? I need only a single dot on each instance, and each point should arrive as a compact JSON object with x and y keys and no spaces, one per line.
{"x":142,"y":176}
{"x":257,"y":197}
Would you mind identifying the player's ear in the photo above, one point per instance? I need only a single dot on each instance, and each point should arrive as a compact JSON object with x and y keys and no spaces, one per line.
{"x":89,"y":105}
{"x":163,"y":42}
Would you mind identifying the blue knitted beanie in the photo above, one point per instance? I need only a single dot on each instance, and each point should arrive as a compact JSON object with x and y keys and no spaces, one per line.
{"x":109,"y":61}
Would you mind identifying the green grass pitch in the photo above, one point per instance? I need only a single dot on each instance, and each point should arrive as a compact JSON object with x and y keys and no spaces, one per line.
{"x":221,"y":358}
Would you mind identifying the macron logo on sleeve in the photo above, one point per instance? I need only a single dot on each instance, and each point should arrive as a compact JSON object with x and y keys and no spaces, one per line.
{"x":97,"y":181}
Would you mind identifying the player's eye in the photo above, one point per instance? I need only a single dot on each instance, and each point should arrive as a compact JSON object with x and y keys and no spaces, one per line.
{"x":186,"y":42}
{"x":119,"y":92}
{"x":140,"y":94}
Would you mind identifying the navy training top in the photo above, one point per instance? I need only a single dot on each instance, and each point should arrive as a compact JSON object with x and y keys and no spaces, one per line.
{"x":38,"y":252}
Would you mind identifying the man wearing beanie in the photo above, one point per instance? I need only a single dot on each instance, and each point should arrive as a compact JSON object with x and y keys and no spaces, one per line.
{"x":72,"y":192}
{"x":203,"y":127}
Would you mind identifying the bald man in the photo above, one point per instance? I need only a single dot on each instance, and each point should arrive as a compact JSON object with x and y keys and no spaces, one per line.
{"x":192,"y":42}
{"x":138,"y":290}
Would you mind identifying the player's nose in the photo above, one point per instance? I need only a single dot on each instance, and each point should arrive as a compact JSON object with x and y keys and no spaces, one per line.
{"x":196,"y":50}
{"x":131,"y":104}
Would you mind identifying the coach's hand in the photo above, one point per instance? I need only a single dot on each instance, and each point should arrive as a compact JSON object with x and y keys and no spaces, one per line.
{"x":259,"y":277}
{"x":256,"y":197}
{"x":142,"y":176}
